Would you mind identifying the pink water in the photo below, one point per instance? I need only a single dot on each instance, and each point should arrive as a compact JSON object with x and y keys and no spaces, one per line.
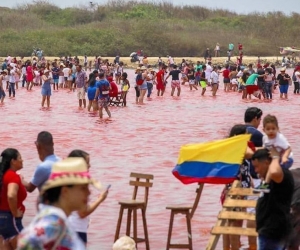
{"x":142,"y":139}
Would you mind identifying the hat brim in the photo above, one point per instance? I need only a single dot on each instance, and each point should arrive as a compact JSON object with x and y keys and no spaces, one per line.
{"x":70,"y":180}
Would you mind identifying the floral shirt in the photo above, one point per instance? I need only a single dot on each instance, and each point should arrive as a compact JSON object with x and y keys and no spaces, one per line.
{"x":49,"y":230}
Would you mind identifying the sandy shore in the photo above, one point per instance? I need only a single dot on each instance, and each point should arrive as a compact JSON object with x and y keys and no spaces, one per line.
{"x":153,"y":60}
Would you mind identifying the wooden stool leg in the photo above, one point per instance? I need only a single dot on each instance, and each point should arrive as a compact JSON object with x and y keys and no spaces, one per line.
{"x":119,"y":223}
{"x":170,"y":230}
{"x":145,"y":229}
{"x":128,"y":225}
{"x":189,"y":229}
{"x":135,"y":225}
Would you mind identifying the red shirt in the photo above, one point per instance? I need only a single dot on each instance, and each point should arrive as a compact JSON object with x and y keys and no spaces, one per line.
{"x":114,"y":90}
{"x":240,"y":46}
{"x":12,"y":177}
{"x":160,"y":76}
{"x":226,"y":73}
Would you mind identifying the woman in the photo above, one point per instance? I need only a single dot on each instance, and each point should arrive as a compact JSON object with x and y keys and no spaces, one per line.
{"x":65,"y":191}
{"x":29,"y":76}
{"x":13,"y":193}
{"x":46,"y":88}
{"x":91,"y":91}
{"x":143,"y":86}
{"x":79,"y":220}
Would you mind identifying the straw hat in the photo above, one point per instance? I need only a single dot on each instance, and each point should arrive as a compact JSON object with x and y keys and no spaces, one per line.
{"x":124,"y":243}
{"x":150,"y":70}
{"x":282,"y":69}
{"x":70,"y":171}
{"x":143,"y":68}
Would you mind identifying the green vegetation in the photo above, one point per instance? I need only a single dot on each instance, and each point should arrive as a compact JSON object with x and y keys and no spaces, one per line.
{"x":157,"y":28}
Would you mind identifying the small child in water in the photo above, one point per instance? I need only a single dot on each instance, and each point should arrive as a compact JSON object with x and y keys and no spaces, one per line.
{"x":273,"y":138}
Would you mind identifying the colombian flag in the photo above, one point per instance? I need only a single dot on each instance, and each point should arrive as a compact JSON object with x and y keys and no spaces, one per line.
{"x":215,"y":162}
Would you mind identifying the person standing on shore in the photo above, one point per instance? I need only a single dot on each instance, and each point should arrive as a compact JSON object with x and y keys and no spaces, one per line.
{"x":217,"y":50}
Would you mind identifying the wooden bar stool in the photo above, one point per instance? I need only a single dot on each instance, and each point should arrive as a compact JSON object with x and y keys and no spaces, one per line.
{"x":133,"y":205}
{"x":188,"y":211}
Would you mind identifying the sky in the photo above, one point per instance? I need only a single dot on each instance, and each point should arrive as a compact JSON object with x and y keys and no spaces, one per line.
{"x":239,"y":6}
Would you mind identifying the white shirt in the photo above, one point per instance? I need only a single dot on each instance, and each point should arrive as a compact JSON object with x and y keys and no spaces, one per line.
{"x":208,"y":72}
{"x":297,"y":74}
{"x":66,"y":72}
{"x":279,"y":142}
{"x":214,"y":77}
{"x":78,"y":224}
{"x":12,"y":76}
{"x":171,"y":61}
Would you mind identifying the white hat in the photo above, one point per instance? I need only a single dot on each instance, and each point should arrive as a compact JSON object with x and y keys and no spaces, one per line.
{"x":124,"y":243}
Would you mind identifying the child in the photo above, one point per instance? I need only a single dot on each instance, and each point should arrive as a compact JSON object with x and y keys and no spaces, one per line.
{"x":125,"y":87}
{"x":79,"y":220}
{"x":273,"y":138}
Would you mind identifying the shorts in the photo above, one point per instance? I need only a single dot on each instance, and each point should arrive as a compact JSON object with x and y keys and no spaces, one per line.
{"x":191,"y":82}
{"x":284,"y":89}
{"x":183,"y":76}
{"x":103,"y":102}
{"x":203,"y":84}
{"x":46,"y":91}
{"x":288,"y":164}
{"x":61,"y":79}
{"x":143,"y":86}
{"x":118,"y":74}
{"x":226,"y":80}
{"x":175,"y":84}
{"x":82,"y":236}
{"x":234,"y":81}
{"x":65,"y":78}
{"x":2,"y":93}
{"x":55,"y":81}
{"x":9,"y":226}
{"x":81,"y":93}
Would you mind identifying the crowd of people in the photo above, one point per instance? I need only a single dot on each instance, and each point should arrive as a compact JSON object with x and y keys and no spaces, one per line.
{"x":63,"y":213}
{"x":98,"y":81}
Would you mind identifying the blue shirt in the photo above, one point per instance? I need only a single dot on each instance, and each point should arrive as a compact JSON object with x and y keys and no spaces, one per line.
{"x":43,"y":171}
{"x":55,"y":72}
{"x":103,"y":86}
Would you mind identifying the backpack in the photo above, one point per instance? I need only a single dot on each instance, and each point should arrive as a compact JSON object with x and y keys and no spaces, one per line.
{"x":139,"y":79}
{"x":294,"y":78}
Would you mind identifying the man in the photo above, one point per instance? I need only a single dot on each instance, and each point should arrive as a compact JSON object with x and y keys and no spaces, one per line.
{"x":55,"y":74}
{"x":252,"y":119}
{"x":273,"y":209}
{"x":175,"y":83}
{"x":102,"y":95}
{"x":45,"y":147}
{"x":81,"y":80}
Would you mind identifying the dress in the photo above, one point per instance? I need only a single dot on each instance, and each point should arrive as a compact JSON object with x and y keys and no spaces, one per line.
{"x":29,"y":74}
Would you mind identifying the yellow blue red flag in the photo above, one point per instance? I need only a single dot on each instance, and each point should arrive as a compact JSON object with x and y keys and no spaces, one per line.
{"x":215,"y":162}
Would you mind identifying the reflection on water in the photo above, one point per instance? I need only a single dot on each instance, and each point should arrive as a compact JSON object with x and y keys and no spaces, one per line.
{"x":138,"y":138}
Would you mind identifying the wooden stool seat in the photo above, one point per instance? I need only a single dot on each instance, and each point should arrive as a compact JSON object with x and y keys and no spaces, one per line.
{"x":188,"y":211}
{"x":176,"y":207}
{"x":133,"y":205}
{"x":132,"y":202}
